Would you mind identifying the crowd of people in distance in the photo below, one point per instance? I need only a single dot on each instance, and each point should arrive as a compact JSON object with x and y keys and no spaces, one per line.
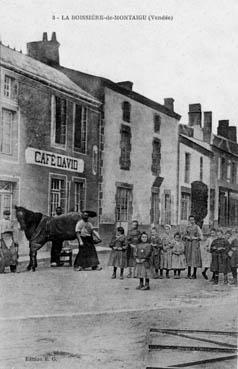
{"x":150,"y":256}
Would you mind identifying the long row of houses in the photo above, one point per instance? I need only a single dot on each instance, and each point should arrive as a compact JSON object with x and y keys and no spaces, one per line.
{"x":84,"y":142}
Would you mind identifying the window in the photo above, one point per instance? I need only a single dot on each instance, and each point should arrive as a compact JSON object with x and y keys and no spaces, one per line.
{"x":79,"y":195}
{"x":6,"y":127}
{"x":10,"y":87}
{"x":57,"y":194}
{"x":155,"y":200}
{"x":234,"y":168}
{"x":223,"y":169}
{"x":123,"y":204}
{"x":95,"y":160}
{"x":80,"y":128}
{"x":157,"y":123}
{"x":187,"y":167}
{"x":201,"y":168}
{"x":58,"y":120}
{"x":125,"y":161}
{"x":228,"y":171}
{"x":185,"y":205}
{"x":5,"y":197}
{"x":126,"y":111}
{"x":167,"y":207}
{"x":156,"y":157}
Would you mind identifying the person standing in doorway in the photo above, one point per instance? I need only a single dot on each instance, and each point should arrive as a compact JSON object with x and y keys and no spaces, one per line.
{"x":56,"y":245}
{"x":133,"y":238}
{"x":192,"y":239}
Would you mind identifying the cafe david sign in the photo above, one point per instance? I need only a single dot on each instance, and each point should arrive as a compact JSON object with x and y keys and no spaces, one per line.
{"x":53,"y":160}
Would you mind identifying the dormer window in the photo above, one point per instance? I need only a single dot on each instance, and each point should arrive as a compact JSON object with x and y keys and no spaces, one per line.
{"x":126,"y":111}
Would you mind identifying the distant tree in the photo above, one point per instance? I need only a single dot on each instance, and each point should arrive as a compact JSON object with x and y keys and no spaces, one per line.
{"x":199,"y":201}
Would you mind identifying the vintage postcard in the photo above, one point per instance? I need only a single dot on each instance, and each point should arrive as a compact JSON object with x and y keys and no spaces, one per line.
{"x":118,"y":184}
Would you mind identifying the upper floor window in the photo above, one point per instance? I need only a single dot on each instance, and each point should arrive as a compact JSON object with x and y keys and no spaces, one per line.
{"x":157,"y":123}
{"x":201,"y":168}
{"x":95,"y":159}
{"x":223,"y":169}
{"x":187,"y":167}
{"x":156,"y":157}
{"x":80,"y":128}
{"x":234,"y":169}
{"x":6,"y":129}
{"x":125,"y":161}
{"x":79,"y":194}
{"x":59,"y":120}
{"x":10,"y":87}
{"x":126,"y":111}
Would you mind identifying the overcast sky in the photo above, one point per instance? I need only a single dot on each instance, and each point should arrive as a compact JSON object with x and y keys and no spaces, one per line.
{"x":192,"y":58}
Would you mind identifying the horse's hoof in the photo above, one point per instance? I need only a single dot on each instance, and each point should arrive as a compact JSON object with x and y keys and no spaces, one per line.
{"x":33,"y":269}
{"x":28,"y":268}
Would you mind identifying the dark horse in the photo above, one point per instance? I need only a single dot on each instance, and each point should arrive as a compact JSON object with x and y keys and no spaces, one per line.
{"x":41,"y":228}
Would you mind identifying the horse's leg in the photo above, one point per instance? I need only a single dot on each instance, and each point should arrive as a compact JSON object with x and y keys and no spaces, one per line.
{"x":29,"y":266}
{"x":34,"y":248}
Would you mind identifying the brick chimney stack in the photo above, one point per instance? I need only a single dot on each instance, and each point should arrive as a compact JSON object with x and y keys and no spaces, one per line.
{"x":232,"y":133}
{"x":207,"y":127}
{"x":169,"y":103}
{"x":194,"y":115}
{"x":222,"y":129}
{"x":128,"y":85}
{"x":45,"y":51}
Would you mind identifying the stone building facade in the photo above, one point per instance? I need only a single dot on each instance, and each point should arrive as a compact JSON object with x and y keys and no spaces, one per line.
{"x":224,"y":176}
{"x":49,"y":138}
{"x":195,"y":157}
{"x":138,"y":149}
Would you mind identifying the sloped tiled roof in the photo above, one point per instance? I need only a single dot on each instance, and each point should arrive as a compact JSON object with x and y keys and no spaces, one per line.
{"x":24,"y":64}
{"x":225,"y":145}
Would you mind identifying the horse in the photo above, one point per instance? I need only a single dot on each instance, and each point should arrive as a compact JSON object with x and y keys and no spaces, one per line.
{"x":41,"y":228}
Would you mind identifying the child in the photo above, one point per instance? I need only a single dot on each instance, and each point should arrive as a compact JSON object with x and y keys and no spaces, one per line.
{"x":220,"y":259}
{"x":233,"y":254}
{"x":166,"y":262}
{"x":206,"y":253}
{"x":117,"y":257}
{"x":143,"y":268}
{"x":133,"y":239}
{"x":157,"y":246}
{"x":178,"y":256}
{"x":8,"y":251}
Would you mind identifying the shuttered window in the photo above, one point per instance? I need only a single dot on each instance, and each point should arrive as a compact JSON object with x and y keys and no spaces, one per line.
{"x":6,"y":128}
{"x":125,"y":161}
{"x":80,"y":128}
{"x":157,"y":123}
{"x":60,"y":120}
{"x":156,"y":157}
{"x":126,"y":111}
{"x":79,"y":195}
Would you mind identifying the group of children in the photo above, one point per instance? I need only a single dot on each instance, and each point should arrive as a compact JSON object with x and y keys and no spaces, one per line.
{"x":148,"y":257}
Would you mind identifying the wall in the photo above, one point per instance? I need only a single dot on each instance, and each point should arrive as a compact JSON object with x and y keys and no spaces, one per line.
{"x":139,"y":175}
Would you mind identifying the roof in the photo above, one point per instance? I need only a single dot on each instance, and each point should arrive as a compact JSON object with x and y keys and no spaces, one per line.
{"x":198,"y":145}
{"x":37,"y":70}
{"x":225,"y":145}
{"x":97,"y":82}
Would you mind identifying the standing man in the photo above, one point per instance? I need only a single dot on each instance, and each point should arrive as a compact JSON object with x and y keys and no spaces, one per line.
{"x":133,"y":238}
{"x":56,"y":245}
{"x":192,"y":239}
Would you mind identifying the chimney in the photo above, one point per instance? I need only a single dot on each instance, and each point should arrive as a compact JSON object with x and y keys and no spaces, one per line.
{"x":222,"y":129}
{"x":45,"y":51}
{"x":169,"y":103}
{"x":207,"y":128}
{"x":232,"y":133}
{"x":194,"y":115}
{"x":128,"y":85}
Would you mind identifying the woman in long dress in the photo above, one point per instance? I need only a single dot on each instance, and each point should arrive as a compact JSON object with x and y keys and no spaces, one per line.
{"x":192,"y":239}
{"x":166,"y":257}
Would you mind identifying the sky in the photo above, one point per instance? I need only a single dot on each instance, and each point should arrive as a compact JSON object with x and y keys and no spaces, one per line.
{"x":192,"y":58}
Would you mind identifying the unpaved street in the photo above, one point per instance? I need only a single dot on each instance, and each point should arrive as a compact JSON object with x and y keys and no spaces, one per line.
{"x":58,"y":318}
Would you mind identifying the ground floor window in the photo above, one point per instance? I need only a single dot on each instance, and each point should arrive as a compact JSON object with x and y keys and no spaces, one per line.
{"x":185,"y":205}
{"x":79,"y":195}
{"x":6,"y":193}
{"x":228,"y":208}
{"x":155,"y":200}
{"x":123,"y":204}
{"x":58,"y":194}
{"x":167,"y":207}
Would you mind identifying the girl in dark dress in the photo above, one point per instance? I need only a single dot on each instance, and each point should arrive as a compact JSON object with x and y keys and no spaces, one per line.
{"x":220,"y":248}
{"x":118,"y":257}
{"x":143,"y":268}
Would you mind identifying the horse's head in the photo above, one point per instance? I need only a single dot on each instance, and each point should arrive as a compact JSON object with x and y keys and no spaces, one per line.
{"x":21,"y":217}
